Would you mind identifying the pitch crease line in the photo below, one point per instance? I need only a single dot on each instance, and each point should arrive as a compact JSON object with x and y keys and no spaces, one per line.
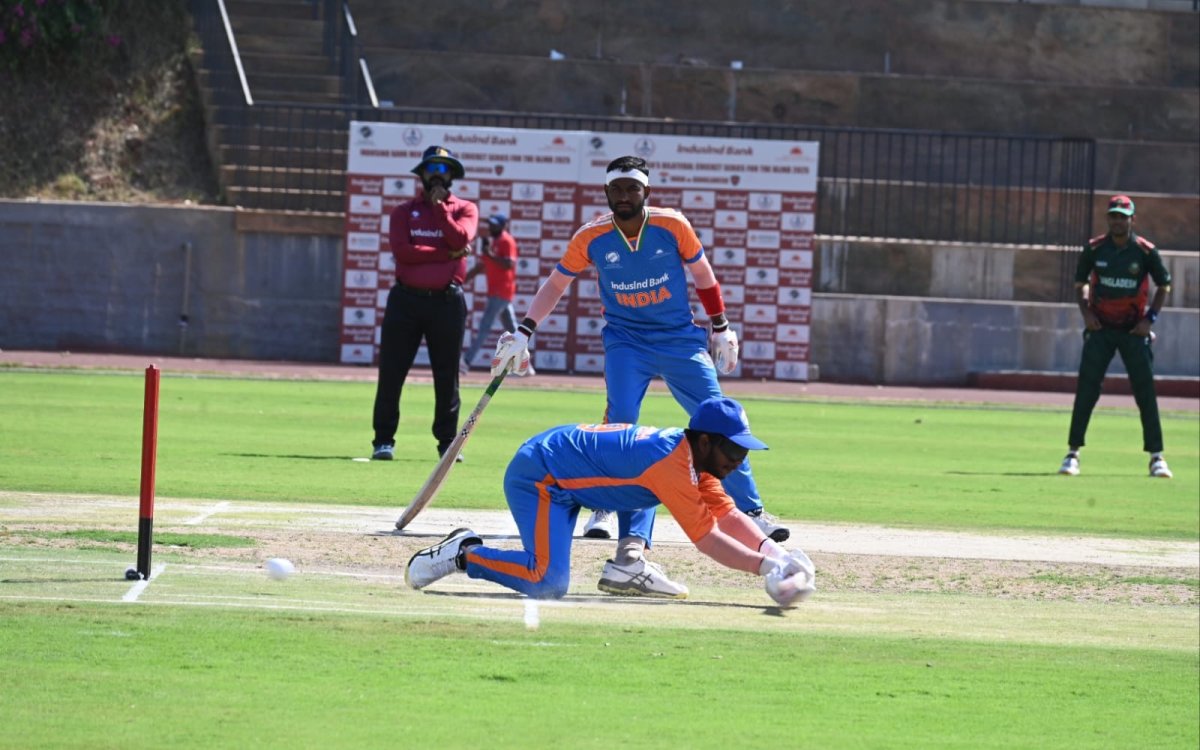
{"x":197,"y":520}
{"x":136,"y":589}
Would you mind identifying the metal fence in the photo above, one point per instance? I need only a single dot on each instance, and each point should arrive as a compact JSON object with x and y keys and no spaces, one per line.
{"x":894,"y":184}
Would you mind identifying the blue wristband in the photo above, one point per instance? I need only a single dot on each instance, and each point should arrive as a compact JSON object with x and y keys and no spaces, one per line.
{"x":1152,"y":316}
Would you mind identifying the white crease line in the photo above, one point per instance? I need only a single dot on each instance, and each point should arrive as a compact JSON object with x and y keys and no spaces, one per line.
{"x":136,"y":589}
{"x":196,"y":520}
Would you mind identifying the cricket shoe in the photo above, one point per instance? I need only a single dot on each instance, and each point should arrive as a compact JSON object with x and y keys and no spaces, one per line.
{"x":1159,"y":468}
{"x":769,"y":525}
{"x":383,"y":452}
{"x":602,"y":524}
{"x":1070,"y":466}
{"x":443,"y":447}
{"x":436,"y":562}
{"x":639,"y":578}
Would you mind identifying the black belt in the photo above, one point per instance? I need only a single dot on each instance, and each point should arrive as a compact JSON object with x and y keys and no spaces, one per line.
{"x":449,"y":289}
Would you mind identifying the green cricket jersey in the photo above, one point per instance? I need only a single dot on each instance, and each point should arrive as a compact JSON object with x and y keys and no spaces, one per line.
{"x":1119,"y":278}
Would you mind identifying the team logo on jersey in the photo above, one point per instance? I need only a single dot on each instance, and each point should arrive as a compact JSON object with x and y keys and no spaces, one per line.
{"x":612,"y":258}
{"x":1134,"y":268}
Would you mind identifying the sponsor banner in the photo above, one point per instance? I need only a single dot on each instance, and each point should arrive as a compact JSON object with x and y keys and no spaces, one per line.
{"x":751,"y":202}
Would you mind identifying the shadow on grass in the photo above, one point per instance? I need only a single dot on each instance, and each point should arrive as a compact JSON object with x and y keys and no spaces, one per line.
{"x":361,"y":459}
{"x":634,"y":601}
{"x":1003,"y":473}
{"x":107,"y":579}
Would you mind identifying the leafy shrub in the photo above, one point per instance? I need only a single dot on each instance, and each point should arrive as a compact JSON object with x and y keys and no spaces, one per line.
{"x":40,"y":31}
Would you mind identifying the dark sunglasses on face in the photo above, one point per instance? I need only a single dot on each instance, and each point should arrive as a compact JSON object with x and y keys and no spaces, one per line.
{"x":732,"y":450}
{"x":437,"y":168}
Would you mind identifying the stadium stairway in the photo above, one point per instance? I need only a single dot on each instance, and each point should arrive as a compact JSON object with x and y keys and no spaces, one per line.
{"x":981,"y":66}
{"x":290,"y":76}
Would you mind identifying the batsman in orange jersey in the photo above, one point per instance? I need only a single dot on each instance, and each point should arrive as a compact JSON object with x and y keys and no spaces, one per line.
{"x":623,"y":467}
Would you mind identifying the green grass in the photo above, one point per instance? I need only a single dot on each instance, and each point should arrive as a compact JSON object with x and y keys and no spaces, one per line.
{"x":215,"y":654}
{"x":917,"y":465}
{"x":161,"y":539}
{"x":117,"y":676}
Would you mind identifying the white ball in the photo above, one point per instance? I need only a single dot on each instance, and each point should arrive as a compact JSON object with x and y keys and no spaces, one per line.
{"x":280,"y":568}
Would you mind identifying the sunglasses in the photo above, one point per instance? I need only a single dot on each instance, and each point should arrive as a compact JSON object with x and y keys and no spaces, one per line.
{"x":732,"y":450}
{"x":437,"y":168}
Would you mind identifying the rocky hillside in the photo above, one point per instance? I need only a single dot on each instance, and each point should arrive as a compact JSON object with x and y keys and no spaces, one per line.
{"x":118,"y":120}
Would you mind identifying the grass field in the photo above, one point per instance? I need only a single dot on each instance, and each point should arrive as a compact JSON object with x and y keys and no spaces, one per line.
{"x":211,"y":653}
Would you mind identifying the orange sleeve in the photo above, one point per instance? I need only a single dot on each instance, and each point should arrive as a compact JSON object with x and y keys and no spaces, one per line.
{"x":576,"y":259}
{"x":675,"y":484}
{"x":679,"y":227}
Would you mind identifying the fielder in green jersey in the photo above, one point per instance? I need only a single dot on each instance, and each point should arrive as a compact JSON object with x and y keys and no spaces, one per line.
{"x":1112,"y":280}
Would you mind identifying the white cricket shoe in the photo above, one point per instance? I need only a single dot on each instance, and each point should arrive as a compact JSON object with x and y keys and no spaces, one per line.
{"x":1159,"y":468}
{"x":770,"y":525}
{"x":640,"y":578}
{"x":436,"y":562}
{"x":601,"y":525}
{"x":1070,"y":466}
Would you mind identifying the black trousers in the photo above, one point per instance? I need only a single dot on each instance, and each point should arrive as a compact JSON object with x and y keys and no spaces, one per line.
{"x":440,"y":319}
{"x":1138,"y":355}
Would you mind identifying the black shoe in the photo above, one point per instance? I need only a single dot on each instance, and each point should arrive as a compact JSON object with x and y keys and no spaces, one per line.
{"x":443,"y":447}
{"x":383,"y":452}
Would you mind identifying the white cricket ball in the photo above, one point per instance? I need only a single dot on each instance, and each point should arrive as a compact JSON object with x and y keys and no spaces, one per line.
{"x":280,"y":568}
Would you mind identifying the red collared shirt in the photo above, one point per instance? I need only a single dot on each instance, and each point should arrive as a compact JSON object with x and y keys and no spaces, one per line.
{"x":422,"y":236}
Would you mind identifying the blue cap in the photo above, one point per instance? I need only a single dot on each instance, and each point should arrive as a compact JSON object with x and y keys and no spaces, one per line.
{"x":725,"y":416}
{"x":498,"y":219}
{"x":441,"y":155}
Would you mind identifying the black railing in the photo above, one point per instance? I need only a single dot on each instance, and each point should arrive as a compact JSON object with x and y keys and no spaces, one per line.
{"x":873,"y":183}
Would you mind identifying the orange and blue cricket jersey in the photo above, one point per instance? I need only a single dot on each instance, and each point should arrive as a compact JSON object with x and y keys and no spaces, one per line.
{"x":650,"y":331}
{"x":618,"y":467}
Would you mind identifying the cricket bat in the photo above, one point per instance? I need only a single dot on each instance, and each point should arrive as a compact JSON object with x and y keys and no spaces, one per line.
{"x":434,"y":483}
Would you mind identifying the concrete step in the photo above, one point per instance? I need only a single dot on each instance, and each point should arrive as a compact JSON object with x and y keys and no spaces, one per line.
{"x":285,"y":28}
{"x":289,"y":200}
{"x":289,"y":9}
{"x":950,"y":38}
{"x":291,"y":87}
{"x":254,"y":136}
{"x":1172,"y":222}
{"x":265,"y":44}
{"x":469,"y":80}
{"x":259,"y":63}
{"x":323,"y":181}
{"x":1147,"y":167}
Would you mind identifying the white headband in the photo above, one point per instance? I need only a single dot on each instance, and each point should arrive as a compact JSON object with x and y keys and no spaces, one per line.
{"x":632,"y":174}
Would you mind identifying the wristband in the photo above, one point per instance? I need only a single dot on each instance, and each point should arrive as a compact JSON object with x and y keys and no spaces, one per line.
{"x":527,"y":327}
{"x":711,"y":299}
{"x":1152,"y":316}
{"x":719,"y":322}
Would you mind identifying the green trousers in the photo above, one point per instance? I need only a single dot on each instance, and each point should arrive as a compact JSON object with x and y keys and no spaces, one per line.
{"x":1138,"y":355}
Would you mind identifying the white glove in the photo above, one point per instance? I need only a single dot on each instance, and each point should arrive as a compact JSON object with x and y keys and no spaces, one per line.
{"x":512,"y":351}
{"x":786,"y":590}
{"x":724,"y":347}
{"x":797,"y":561}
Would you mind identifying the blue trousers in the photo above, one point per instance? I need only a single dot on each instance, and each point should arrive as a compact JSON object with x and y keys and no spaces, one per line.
{"x":680,"y":358}
{"x":545,"y":515}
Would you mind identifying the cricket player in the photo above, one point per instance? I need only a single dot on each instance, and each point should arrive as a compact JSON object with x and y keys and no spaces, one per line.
{"x":1112,"y":285}
{"x":640,"y":254}
{"x":622,"y":467}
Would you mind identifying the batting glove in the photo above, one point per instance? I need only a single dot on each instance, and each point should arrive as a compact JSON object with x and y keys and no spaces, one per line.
{"x":512,"y":351}
{"x":784,"y":589}
{"x":797,"y":561}
{"x":724,"y":347}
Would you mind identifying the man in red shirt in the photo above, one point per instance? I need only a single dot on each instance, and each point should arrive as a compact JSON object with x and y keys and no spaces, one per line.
{"x":430,"y":236}
{"x":499,"y":261}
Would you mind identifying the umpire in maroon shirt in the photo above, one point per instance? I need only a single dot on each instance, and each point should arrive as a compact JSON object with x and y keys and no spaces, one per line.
{"x":430,"y":236}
